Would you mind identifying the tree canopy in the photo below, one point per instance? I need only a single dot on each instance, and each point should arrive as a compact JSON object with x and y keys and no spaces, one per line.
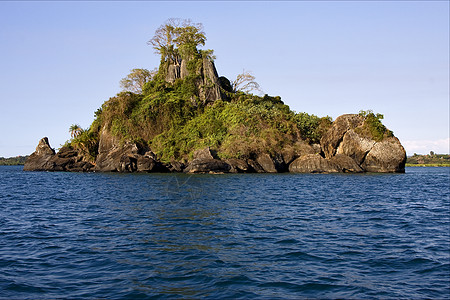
{"x":135,"y":81}
{"x":177,"y":39}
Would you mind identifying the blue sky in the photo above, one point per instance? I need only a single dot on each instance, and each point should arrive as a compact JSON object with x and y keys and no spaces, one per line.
{"x":59,"y":61}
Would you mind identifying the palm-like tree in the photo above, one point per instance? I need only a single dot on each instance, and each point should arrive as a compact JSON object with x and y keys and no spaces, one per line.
{"x":75,"y":130}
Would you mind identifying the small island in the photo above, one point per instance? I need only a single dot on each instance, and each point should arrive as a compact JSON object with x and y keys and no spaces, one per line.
{"x":184,"y":117}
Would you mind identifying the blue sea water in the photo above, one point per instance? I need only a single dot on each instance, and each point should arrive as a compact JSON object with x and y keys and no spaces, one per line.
{"x":264,"y":236}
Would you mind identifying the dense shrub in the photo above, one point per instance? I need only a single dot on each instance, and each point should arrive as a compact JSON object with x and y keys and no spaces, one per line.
{"x":373,"y":127}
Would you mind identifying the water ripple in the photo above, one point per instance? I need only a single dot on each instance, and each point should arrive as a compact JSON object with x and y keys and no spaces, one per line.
{"x":263,"y":236}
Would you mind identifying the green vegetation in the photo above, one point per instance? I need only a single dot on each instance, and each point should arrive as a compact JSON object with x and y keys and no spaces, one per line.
{"x":373,"y":127}
{"x":429,"y":160}
{"x":173,"y":118}
{"x":165,"y":118}
{"x":13,"y":161}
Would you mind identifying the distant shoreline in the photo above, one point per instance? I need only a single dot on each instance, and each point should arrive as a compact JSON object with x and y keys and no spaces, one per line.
{"x":428,"y":160}
{"x":13,"y":161}
{"x":427,"y":165}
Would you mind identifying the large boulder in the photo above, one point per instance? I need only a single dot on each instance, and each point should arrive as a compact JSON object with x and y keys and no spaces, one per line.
{"x":204,"y":162}
{"x":208,"y":166}
{"x":40,"y":160}
{"x":69,"y":159}
{"x":238,"y":165}
{"x":256,"y":167}
{"x":271,"y":164}
{"x":386,"y":156}
{"x":333,"y":137}
{"x":349,"y":136}
{"x":355,"y":146}
{"x":345,"y":164}
{"x":313,"y":163}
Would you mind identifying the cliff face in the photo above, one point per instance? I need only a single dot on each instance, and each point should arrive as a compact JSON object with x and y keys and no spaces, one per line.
{"x":343,"y":148}
{"x":207,"y":83}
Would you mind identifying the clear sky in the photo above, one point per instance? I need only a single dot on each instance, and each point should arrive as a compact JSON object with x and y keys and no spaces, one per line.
{"x":59,"y":61}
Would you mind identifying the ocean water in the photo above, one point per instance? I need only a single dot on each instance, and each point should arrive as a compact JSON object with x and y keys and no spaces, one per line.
{"x":262,"y":236}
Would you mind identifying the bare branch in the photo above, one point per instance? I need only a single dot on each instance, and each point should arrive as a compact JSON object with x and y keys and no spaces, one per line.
{"x":245,"y":82}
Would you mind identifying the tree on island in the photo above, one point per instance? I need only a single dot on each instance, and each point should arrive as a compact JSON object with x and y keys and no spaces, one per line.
{"x":75,"y":130}
{"x":245,"y":82}
{"x":135,"y":81}
{"x":177,"y":39}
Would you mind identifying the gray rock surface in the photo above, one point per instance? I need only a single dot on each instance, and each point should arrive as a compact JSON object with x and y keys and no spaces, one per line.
{"x":345,"y":164}
{"x":333,"y":137}
{"x":238,"y":165}
{"x":40,"y":160}
{"x":204,"y":162}
{"x":370,"y":155}
{"x":267,"y":163}
{"x":355,"y":146}
{"x":312,"y":163}
{"x":386,"y":156}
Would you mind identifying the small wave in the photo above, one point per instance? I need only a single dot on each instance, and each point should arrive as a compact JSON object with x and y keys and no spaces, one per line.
{"x":287,"y":241}
{"x":297,"y":255}
{"x":236,"y":280}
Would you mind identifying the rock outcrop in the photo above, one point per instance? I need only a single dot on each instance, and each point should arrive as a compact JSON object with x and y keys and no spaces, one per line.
{"x":345,"y":147}
{"x":333,"y":137}
{"x":208,"y":84}
{"x":40,"y":160}
{"x":67,"y":159}
{"x":345,"y":138}
{"x":204,"y":162}
{"x":115,"y":156}
{"x":386,"y":156}
{"x":312,"y":163}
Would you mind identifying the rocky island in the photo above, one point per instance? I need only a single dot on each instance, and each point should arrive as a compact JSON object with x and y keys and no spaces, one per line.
{"x":183,"y":117}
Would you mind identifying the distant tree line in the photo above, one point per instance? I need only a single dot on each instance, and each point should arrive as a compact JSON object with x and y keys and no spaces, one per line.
{"x":13,"y":161}
{"x":431,"y":159}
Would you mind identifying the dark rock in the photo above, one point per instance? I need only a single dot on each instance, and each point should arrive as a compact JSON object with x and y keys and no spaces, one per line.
{"x":67,"y":152}
{"x":81,"y":166}
{"x":114,"y":156}
{"x":266,"y":162}
{"x":288,"y":154}
{"x":207,"y":166}
{"x":312,"y":163}
{"x":67,"y":159}
{"x":127,"y":163}
{"x":145,"y":164}
{"x":271,"y":164}
{"x":345,"y":164}
{"x":387,"y":156}
{"x":238,"y":166}
{"x":40,"y":160}
{"x":346,"y":137}
{"x":225,"y":84}
{"x":175,"y":166}
{"x":255,"y":166}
